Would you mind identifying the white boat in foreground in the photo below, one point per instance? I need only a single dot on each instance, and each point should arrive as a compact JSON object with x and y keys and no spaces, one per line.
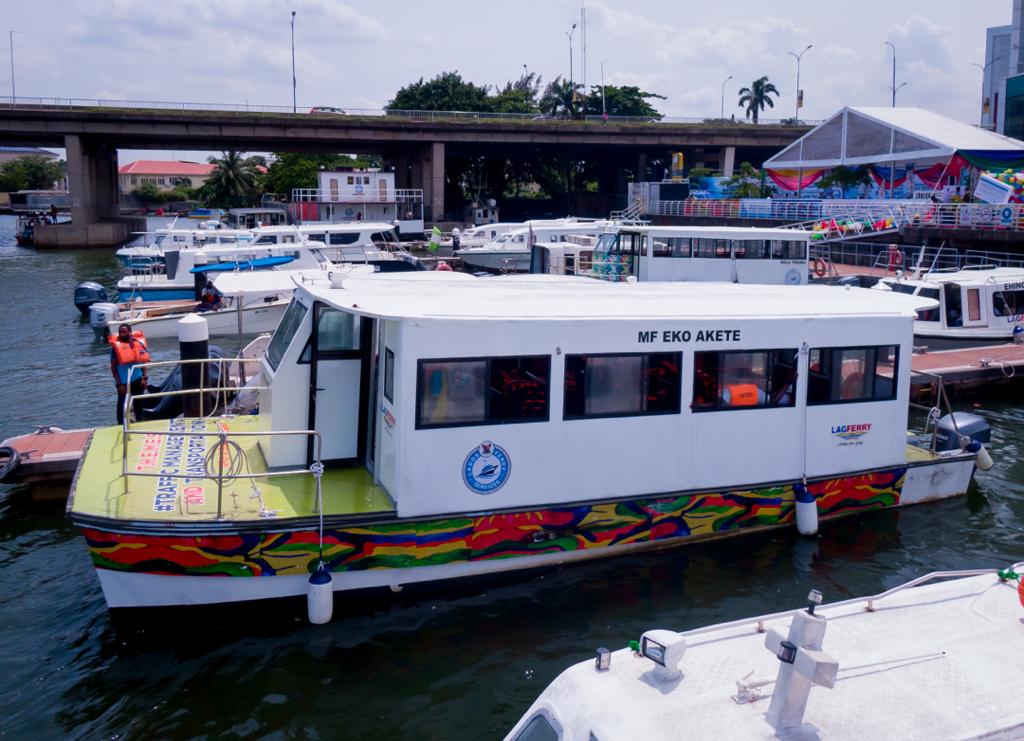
{"x":936,"y":661}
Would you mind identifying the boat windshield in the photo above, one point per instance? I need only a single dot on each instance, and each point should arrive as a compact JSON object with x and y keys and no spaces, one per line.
{"x":606,"y":243}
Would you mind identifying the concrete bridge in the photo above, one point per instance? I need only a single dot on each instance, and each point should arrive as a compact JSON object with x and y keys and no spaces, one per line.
{"x":415,"y":143}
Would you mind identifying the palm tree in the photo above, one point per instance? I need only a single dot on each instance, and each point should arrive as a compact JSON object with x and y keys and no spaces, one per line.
{"x":756,"y":97}
{"x":559,"y":99}
{"x":233,"y":178}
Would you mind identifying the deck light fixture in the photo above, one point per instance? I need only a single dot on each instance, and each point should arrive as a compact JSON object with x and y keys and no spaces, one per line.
{"x":603,"y":659}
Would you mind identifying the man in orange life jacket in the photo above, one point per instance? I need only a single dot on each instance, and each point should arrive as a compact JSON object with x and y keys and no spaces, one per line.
{"x":743,"y":392}
{"x":126,"y":352}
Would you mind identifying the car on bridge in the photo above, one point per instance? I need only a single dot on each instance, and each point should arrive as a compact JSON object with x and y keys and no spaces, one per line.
{"x":326,"y":109}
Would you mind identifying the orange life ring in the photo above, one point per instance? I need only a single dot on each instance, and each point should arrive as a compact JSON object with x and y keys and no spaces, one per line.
{"x":820,"y":267}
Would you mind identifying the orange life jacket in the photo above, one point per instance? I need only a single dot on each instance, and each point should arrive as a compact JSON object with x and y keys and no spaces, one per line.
{"x":742,"y":394}
{"x":131,"y":352}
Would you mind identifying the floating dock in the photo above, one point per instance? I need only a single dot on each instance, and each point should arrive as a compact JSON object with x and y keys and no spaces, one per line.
{"x":966,"y":370}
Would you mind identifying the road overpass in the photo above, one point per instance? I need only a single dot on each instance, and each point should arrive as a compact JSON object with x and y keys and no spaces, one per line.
{"x":416,"y":143}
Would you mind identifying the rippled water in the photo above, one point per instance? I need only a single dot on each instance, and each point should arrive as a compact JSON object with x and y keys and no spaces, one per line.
{"x":433,"y":664}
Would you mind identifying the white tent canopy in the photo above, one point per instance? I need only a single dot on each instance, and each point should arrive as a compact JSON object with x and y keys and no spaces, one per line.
{"x":863,"y":136}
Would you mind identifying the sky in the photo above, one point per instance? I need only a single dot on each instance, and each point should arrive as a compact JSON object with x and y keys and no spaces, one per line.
{"x":357,"y":54}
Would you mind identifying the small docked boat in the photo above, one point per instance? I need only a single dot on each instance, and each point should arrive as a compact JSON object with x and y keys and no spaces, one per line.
{"x":923,"y":660}
{"x":681,"y":253}
{"x":418,"y":427}
{"x":975,"y":304}
{"x":148,"y":250}
{"x":510,"y":251}
{"x":48,"y":454}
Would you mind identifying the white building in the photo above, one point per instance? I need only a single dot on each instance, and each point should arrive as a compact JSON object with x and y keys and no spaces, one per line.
{"x":360,"y":195}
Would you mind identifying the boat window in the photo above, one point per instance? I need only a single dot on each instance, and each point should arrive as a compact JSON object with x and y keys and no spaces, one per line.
{"x":929,"y":315}
{"x":483,"y":391}
{"x":605,"y":243}
{"x":852,"y":374}
{"x":974,"y":304}
{"x":671,"y":246}
{"x":622,"y":385}
{"x":752,"y":249}
{"x":288,"y":239}
{"x":788,"y":250}
{"x":266,"y":240}
{"x":744,"y":379}
{"x":898,"y":287}
{"x":538,"y":729}
{"x":318,"y":237}
{"x":285,"y":333}
{"x":711,"y":248}
{"x":389,"y":375}
{"x":344,"y":237}
{"x":954,"y":308}
{"x":1008,"y":303}
{"x":337,"y":334}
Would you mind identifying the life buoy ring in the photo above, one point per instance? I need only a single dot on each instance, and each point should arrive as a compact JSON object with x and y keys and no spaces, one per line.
{"x":9,"y":460}
{"x":820,"y":267}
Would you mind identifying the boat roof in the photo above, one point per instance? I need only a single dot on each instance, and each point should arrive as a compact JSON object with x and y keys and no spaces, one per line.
{"x":741,"y":232}
{"x":980,"y":275}
{"x":245,"y":283}
{"x":346,"y":226}
{"x":920,"y":663}
{"x":533,"y":297}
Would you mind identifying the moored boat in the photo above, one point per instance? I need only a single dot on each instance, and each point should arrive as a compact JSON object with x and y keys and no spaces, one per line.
{"x":920,"y":661}
{"x":472,"y":426}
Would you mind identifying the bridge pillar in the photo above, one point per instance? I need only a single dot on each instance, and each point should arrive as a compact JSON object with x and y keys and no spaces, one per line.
{"x":401,"y":172}
{"x":728,"y":160}
{"x":641,"y":167}
{"x":92,"y":180}
{"x":432,"y":179}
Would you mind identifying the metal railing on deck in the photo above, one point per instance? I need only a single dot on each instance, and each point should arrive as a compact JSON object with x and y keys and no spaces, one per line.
{"x":224,"y":445}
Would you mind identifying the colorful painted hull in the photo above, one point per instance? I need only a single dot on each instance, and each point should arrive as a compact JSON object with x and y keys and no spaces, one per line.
{"x":139,"y":568}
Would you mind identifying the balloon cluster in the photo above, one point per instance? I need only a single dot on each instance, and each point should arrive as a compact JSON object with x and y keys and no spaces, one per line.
{"x":837,"y":227}
{"x":1015,"y":179}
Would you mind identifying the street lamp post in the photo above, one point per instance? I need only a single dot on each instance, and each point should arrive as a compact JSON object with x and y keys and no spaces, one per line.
{"x":723,"y":95}
{"x":294,"y":106}
{"x":797,"y":57}
{"x":984,"y":72}
{"x":604,"y":111}
{"x":895,"y":89}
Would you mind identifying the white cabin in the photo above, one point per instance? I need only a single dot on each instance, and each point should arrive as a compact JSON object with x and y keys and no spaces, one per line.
{"x":983,"y":303}
{"x":589,"y":389}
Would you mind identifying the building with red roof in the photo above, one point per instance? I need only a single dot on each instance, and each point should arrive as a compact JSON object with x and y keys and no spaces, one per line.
{"x":164,"y":174}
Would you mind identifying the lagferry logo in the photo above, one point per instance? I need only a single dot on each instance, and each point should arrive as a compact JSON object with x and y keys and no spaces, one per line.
{"x":851,"y":434}
{"x":486,"y":468}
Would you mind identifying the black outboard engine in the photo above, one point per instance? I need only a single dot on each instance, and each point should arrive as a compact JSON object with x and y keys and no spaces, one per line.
{"x":971,"y":425}
{"x":87,"y":294}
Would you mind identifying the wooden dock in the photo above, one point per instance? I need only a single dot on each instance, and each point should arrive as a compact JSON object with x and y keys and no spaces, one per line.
{"x":967,"y":370}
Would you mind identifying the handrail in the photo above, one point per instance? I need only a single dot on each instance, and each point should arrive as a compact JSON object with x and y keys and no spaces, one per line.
{"x":759,"y":621}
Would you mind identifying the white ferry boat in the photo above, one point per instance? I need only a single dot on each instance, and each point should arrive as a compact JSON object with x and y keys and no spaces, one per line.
{"x":983,"y":303}
{"x":681,"y":253}
{"x":510,"y":251}
{"x":478,"y":236}
{"x":919,"y":661}
{"x":472,"y":426}
{"x":150,"y":250}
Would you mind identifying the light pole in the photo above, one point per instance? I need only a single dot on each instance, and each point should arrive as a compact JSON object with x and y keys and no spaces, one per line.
{"x":294,"y":106}
{"x":894,"y":88}
{"x":984,"y":71}
{"x":797,"y":57}
{"x":569,"y":34}
{"x":604,"y":111}
{"x":10,"y":39}
{"x":723,"y":95}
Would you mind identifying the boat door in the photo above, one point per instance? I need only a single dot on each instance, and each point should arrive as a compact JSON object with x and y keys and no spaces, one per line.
{"x":339,"y":351}
{"x":973,"y":314}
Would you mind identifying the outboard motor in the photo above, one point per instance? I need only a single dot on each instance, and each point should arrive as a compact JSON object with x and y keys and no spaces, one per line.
{"x":971,"y":425}
{"x":87,"y":294}
{"x":99,"y":316}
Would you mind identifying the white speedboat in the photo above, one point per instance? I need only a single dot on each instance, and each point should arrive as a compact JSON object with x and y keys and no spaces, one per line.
{"x":148,"y":250}
{"x":976,"y":304}
{"x":915,"y":662}
{"x":473,"y":426}
{"x":510,"y":251}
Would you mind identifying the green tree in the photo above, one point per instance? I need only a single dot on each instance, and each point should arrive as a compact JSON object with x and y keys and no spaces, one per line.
{"x":149,"y":193}
{"x":757,"y":96}
{"x":626,"y":100}
{"x":30,"y":173}
{"x":234,"y":180}
{"x":560,"y":98}
{"x":844,"y":177}
{"x":519,"y":96}
{"x":446,"y":92}
{"x":746,"y":183}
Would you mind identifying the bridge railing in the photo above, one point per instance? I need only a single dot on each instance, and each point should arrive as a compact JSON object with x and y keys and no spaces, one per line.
{"x":44,"y":103}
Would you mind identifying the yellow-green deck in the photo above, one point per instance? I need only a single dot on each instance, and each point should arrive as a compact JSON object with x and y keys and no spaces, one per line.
{"x":100,"y":488}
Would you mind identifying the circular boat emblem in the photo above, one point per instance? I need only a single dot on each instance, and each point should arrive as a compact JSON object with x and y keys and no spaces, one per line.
{"x":486,"y":468}
{"x":792,"y":276}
